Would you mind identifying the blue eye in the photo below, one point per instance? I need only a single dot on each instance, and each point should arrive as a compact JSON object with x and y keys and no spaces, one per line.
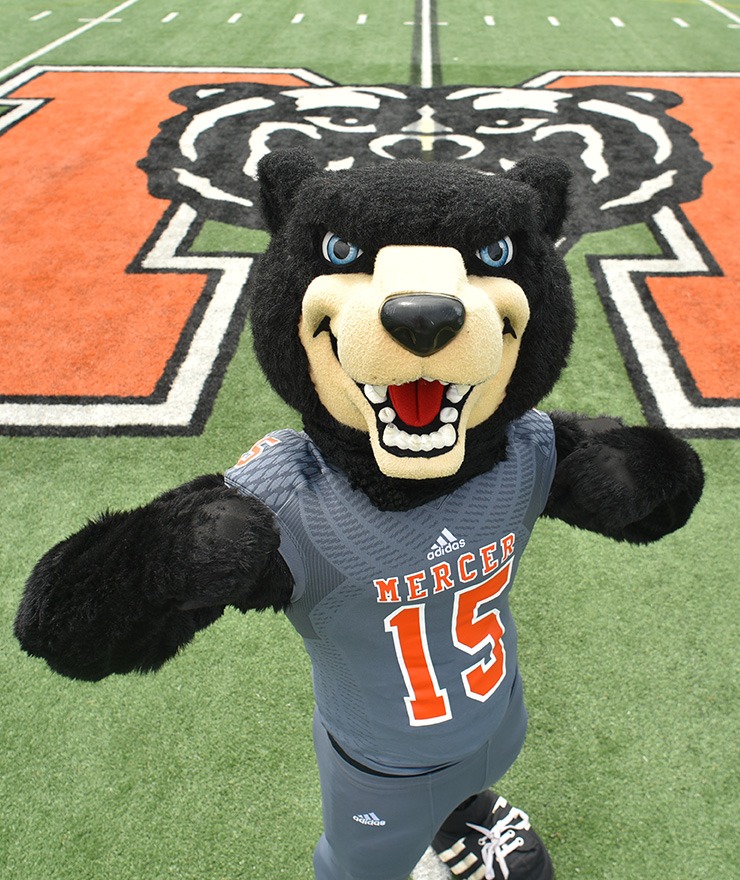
{"x":497,"y":254}
{"x":337,"y":251}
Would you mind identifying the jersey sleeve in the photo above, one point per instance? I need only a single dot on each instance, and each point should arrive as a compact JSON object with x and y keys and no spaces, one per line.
{"x":273,"y":471}
{"x":536,"y":428}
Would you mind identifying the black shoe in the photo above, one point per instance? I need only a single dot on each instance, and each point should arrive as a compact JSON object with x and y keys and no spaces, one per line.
{"x":488,"y":839}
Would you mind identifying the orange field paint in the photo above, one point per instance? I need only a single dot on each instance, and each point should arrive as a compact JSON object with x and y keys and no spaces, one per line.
{"x":76,"y":213}
{"x":702,"y":312}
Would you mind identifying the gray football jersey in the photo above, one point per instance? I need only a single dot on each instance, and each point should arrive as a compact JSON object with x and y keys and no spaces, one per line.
{"x":405,"y":615}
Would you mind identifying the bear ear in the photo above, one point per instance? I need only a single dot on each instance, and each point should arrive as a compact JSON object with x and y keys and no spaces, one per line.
{"x":279,"y":175}
{"x":550,"y":178}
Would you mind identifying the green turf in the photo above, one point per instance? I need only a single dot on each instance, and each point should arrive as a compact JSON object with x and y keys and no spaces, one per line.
{"x":215,"y":237}
{"x":206,"y":771}
{"x":328,"y":41}
{"x":523,"y":42}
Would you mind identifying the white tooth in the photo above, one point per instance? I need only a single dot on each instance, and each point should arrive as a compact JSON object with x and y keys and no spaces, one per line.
{"x":448,"y":434}
{"x":376,"y":393}
{"x":455,"y":393}
{"x":449,"y":414}
{"x":390,"y":434}
{"x":437,"y":440}
{"x":387,"y":415}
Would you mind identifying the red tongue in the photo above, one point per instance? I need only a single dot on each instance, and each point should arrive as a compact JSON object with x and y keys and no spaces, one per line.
{"x":417,"y":403}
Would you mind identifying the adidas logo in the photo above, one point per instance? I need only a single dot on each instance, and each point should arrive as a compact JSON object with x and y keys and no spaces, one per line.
{"x":445,"y":543}
{"x":369,"y":819}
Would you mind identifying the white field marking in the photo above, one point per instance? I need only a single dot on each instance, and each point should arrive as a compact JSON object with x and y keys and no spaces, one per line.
{"x":66,"y":38}
{"x":171,"y":16}
{"x":553,"y":21}
{"x":680,"y":22}
{"x":107,"y":21}
{"x":551,"y":76}
{"x":718,"y":8}
{"x":617,"y":22}
{"x":620,"y":274}
{"x":182,"y":399}
{"x":298,"y":18}
{"x":235,"y":17}
{"x":489,"y":20}
{"x":8,"y":87}
{"x":427,"y":76}
{"x":362,"y":18}
{"x":40,"y":15}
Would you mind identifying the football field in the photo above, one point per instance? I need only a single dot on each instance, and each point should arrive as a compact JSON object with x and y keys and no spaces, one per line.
{"x":129,"y":133}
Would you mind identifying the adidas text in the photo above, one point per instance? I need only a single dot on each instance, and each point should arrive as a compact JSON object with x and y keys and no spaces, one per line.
{"x":369,"y":819}
{"x":438,"y":551}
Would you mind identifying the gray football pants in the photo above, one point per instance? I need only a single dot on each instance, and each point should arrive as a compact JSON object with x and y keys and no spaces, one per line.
{"x":378,"y":827}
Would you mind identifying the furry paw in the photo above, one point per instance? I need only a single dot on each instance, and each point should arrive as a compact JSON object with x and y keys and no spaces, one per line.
{"x":632,"y":484}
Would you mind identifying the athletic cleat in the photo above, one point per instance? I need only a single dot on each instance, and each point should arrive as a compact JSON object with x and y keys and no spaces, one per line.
{"x":488,"y":839}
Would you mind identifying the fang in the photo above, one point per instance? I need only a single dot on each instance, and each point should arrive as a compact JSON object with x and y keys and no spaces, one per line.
{"x":376,"y":393}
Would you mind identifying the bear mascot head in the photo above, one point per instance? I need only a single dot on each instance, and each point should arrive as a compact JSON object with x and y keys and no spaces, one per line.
{"x":409,"y":338}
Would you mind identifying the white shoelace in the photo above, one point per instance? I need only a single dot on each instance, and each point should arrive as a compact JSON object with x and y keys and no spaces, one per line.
{"x":498,"y":842}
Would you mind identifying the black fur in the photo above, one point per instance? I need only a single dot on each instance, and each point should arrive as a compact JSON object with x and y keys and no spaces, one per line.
{"x":631,"y":484}
{"x":129,"y":589}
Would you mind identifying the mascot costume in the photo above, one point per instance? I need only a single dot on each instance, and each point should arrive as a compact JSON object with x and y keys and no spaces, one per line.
{"x":414,"y":314}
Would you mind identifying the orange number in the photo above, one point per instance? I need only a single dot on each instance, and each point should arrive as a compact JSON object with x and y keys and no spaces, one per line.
{"x":427,"y":702}
{"x":258,"y":448}
{"x":472,"y":631}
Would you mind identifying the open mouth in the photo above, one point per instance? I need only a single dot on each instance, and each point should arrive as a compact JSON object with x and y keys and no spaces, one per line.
{"x":417,"y":418}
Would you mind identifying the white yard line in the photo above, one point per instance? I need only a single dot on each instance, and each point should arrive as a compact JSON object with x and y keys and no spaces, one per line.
{"x":680,"y":22}
{"x":722,"y":10}
{"x":545,"y":79}
{"x":617,"y":22}
{"x":489,"y":20}
{"x":171,"y":16}
{"x":235,"y":18}
{"x":298,"y":18}
{"x":553,"y":21}
{"x":66,"y":38}
{"x":40,"y":15}
{"x":427,"y":75}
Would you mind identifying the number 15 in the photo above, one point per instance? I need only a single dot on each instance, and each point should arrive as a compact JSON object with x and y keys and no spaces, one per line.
{"x":427,"y":702}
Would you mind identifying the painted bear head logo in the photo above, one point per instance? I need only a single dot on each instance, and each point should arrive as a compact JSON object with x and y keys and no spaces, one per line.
{"x":630,"y":157}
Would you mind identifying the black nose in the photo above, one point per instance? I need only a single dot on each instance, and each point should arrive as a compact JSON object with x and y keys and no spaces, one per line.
{"x":423,"y":322}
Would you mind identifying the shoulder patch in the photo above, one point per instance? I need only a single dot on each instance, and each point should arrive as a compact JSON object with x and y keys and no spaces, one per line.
{"x":275,"y":467}
{"x":259,"y":447}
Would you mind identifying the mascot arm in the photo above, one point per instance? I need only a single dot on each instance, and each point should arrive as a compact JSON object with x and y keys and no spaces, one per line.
{"x":129,"y":589}
{"x":632,"y":484}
